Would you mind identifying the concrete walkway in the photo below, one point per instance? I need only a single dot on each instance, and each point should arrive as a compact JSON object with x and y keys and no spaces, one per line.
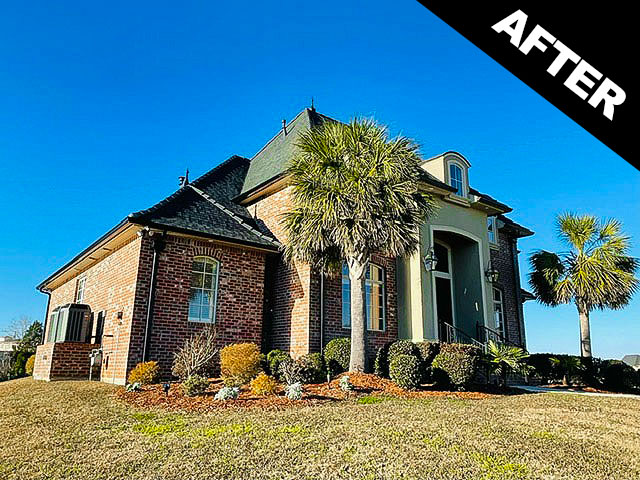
{"x":533,"y":389}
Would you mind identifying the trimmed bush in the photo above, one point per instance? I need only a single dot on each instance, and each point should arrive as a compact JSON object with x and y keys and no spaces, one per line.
{"x":144,"y":373}
{"x":618,"y":376}
{"x":307,"y":369}
{"x":274,"y":358}
{"x":402,"y":347}
{"x":427,"y":352}
{"x":239,"y":363}
{"x":195,"y":385}
{"x":337,"y":354}
{"x":313,"y":365}
{"x":456,"y":365}
{"x":263,"y":384}
{"x":381,"y":363}
{"x":404,"y":370}
{"x":28,"y":367}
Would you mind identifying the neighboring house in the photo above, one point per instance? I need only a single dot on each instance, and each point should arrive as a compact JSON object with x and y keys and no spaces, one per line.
{"x":7,"y":345}
{"x":210,"y":253}
{"x":632,"y":361}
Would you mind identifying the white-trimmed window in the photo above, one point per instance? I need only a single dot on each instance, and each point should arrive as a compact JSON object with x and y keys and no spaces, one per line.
{"x":80,"y":284}
{"x":498,"y":311}
{"x":492,"y":230}
{"x":374,"y":292}
{"x":204,"y":290}
{"x":456,"y":179}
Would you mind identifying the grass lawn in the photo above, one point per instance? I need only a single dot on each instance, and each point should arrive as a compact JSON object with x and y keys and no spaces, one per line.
{"x":79,"y":430}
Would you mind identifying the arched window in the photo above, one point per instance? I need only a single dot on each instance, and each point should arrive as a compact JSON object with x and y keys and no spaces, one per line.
{"x":456,"y":179}
{"x":374,"y":291}
{"x":204,"y":290}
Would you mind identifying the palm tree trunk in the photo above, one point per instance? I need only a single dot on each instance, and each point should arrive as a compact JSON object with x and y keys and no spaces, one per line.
{"x":585,"y":331}
{"x":357,"y":271}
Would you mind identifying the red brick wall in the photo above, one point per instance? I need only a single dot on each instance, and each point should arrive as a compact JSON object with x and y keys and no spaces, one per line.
{"x":239,"y":300}
{"x":502,"y":259}
{"x":62,"y":361}
{"x":110,"y":287}
{"x":294,"y":290}
{"x":333,"y":308}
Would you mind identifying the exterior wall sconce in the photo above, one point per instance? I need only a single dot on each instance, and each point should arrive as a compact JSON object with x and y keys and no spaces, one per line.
{"x":492,"y":274}
{"x":430,"y":260}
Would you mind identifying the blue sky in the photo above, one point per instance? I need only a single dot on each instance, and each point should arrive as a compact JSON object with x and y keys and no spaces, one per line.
{"x":105,"y":105}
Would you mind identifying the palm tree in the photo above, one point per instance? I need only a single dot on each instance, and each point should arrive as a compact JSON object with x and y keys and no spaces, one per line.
{"x":506,"y":358}
{"x":567,"y":366}
{"x":596,"y":272}
{"x":355,"y":191}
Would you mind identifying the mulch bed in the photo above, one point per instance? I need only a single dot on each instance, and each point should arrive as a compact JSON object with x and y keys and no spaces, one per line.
{"x":152,"y":396}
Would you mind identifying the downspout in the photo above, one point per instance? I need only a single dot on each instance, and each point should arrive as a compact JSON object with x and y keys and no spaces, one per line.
{"x":158,"y":246}
{"x":516,"y":273}
{"x":46,"y":315}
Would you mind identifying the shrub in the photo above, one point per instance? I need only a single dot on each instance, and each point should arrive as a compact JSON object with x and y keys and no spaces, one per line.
{"x":144,"y":373}
{"x":345,"y":383}
{"x":28,"y":367}
{"x":239,"y":363}
{"x":381,"y":363}
{"x":274,"y":358}
{"x":263,"y":384}
{"x":427,"y":351}
{"x":404,"y":370}
{"x":133,"y":387}
{"x":227,"y":393}
{"x":195,"y":385}
{"x":337,"y":354}
{"x":402,"y":347}
{"x":503,"y":359}
{"x":456,"y":364}
{"x":618,"y":376}
{"x":566,"y":366}
{"x":313,"y":368}
{"x":197,"y":355}
{"x":307,"y":369}
{"x":294,"y":391}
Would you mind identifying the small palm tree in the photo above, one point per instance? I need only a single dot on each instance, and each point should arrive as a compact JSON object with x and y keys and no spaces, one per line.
{"x":504,"y":359}
{"x":596,"y":272}
{"x":568,"y":366}
{"x":355,"y":191}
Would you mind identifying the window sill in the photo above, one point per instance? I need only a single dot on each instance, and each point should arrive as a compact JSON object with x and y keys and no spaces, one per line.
{"x":368,"y":330}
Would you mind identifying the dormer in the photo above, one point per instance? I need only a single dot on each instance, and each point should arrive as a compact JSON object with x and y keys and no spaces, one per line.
{"x":452,"y":169}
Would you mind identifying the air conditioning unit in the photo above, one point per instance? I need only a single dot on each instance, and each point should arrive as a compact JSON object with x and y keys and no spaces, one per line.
{"x":70,"y":323}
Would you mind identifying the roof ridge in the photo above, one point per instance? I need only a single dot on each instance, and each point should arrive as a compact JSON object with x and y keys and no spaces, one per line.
{"x":279,"y":131}
{"x":234,"y":216}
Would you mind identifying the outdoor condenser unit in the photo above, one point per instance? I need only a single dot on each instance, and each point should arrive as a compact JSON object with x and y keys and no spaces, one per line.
{"x":70,"y":323}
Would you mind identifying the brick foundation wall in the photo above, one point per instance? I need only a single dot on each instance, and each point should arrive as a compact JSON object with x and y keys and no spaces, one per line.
{"x":333,"y":309}
{"x":503,"y":261}
{"x":290,"y":319}
{"x":239,"y":300}
{"x":110,"y":286}
{"x":62,"y":361}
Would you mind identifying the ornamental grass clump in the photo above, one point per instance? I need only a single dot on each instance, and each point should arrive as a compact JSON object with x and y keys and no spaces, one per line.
{"x":239,"y":363}
{"x":195,"y":385}
{"x":456,"y":365}
{"x":144,"y":373}
{"x":263,"y":384}
{"x":197,"y":356}
{"x":404,"y":371}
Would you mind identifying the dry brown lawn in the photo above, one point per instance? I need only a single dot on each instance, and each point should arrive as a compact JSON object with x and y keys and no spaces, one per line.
{"x":80,"y":430}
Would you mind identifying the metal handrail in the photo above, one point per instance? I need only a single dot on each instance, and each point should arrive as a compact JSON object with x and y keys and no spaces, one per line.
{"x":453,"y":334}
{"x":487,"y":334}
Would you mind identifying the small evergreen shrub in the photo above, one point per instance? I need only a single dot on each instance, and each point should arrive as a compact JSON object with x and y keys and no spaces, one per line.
{"x":404,"y":370}
{"x":456,"y":365}
{"x":274,"y":358}
{"x":345,"y":383}
{"x":402,"y":347}
{"x":239,"y":363}
{"x":618,"y":376}
{"x":144,"y":373}
{"x":294,"y":391}
{"x":195,"y":385}
{"x":263,"y":384}
{"x":133,"y":387}
{"x":28,"y":367}
{"x":227,"y":393}
{"x":381,"y":363}
{"x":427,"y":351}
{"x":313,"y":368}
{"x":337,"y":354}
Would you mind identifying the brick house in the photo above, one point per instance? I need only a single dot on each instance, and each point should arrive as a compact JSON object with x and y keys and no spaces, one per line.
{"x":210,"y":253}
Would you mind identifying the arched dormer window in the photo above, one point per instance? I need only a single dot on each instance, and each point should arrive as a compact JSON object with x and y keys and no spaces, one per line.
{"x":457,"y":178}
{"x":204,"y":290}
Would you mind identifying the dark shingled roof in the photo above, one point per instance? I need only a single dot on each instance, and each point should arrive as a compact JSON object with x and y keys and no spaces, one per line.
{"x":514,"y":227}
{"x":271,"y":161}
{"x":217,"y":216}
